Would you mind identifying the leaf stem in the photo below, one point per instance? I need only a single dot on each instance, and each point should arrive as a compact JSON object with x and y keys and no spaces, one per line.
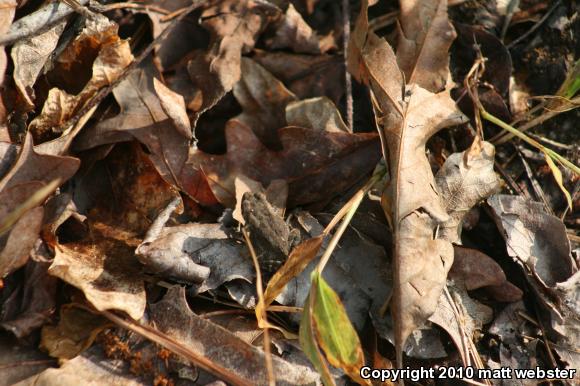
{"x":351,"y":208}
{"x":551,"y":153}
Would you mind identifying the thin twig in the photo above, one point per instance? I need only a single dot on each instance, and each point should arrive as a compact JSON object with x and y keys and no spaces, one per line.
{"x":535,"y":185}
{"x":177,"y":348}
{"x":535,"y":27}
{"x":350,"y":208}
{"x":37,"y":22}
{"x":264,"y":315}
{"x":347,"y":76}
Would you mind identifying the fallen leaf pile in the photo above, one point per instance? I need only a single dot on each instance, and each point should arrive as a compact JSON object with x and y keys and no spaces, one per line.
{"x":265,"y":192}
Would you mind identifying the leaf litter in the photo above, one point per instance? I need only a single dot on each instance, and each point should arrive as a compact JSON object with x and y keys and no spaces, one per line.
{"x":136,"y":190}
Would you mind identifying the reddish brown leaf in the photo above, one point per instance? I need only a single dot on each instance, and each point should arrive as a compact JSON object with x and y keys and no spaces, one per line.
{"x":331,"y":161}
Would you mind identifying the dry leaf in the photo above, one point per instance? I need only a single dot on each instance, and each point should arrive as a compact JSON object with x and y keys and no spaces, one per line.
{"x":102,"y":263}
{"x":114,"y":54}
{"x":234,"y":27}
{"x":315,"y":163}
{"x":164,"y":130}
{"x":75,"y":332}
{"x":315,"y":113}
{"x":30,"y":56}
{"x":307,"y":76}
{"x":104,"y":268}
{"x":35,"y":304}
{"x":93,"y":365}
{"x":464,"y":180}
{"x":173,"y":317}
{"x":174,"y":106}
{"x":538,"y":242}
{"x":198,"y":254}
{"x":264,"y":99}
{"x":294,"y":33}
{"x":20,"y":241}
{"x":7,"y":11}
{"x":409,"y":115}
{"x":424,"y":39}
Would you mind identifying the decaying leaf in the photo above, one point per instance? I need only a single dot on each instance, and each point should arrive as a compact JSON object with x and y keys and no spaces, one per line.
{"x":538,"y":242}
{"x":425,"y":37}
{"x":102,"y":263}
{"x":307,"y":76}
{"x":7,"y":11}
{"x":294,"y":33}
{"x":409,"y":115}
{"x":76,"y":330}
{"x":234,"y":26}
{"x":20,"y":241}
{"x":30,"y":180}
{"x":114,"y":54}
{"x":264,"y":99}
{"x":473,"y":269}
{"x":198,"y":254}
{"x":315,"y":113}
{"x":32,"y":302}
{"x":30,"y":56}
{"x":464,"y":180}
{"x":93,"y":365}
{"x":173,"y":317}
{"x":534,"y":238}
{"x":103,"y":267}
{"x":148,"y":115}
{"x":316,"y":164}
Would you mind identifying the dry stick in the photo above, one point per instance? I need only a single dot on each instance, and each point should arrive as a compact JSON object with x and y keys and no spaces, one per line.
{"x":350,"y":208}
{"x":177,"y":348}
{"x":535,"y":27}
{"x":347,"y":76}
{"x":263,"y":316}
{"x":504,"y":137}
{"x":37,"y":22}
{"x":104,"y":92}
{"x":535,"y":184}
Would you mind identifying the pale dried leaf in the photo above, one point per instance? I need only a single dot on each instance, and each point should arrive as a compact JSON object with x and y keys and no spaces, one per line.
{"x":174,"y":106}
{"x":315,"y":113}
{"x":534,"y":238}
{"x":425,"y":37}
{"x":408,"y":116}
{"x":91,"y":365}
{"x":294,"y":33}
{"x":113,"y":56}
{"x":464,"y":180}
{"x":29,"y":57}
{"x":104,"y":269}
{"x":199,"y":254}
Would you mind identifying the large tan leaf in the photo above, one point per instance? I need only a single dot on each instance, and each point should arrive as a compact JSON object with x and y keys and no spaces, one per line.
{"x":104,"y":268}
{"x":173,"y":317}
{"x":408,"y":115}
{"x":425,"y":37}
